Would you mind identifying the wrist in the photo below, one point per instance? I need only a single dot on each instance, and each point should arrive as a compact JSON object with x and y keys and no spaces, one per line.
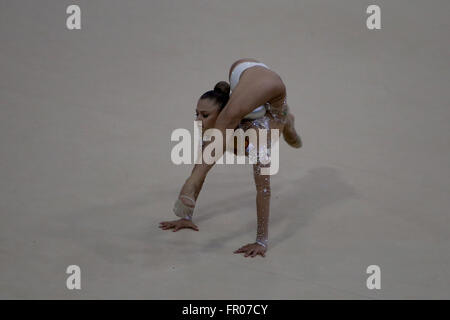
{"x":262,"y":242}
{"x":182,"y":210}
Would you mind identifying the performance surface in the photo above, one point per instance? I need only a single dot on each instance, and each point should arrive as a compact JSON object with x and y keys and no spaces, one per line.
{"x":86,"y":177}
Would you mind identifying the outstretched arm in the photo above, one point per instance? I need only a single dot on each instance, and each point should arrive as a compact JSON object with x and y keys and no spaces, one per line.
{"x":259,"y":247}
{"x":262,"y":183}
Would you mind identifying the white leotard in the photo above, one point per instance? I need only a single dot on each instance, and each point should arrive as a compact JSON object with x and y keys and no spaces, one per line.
{"x":234,"y":79}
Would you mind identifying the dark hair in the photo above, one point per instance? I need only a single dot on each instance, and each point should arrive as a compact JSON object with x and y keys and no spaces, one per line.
{"x":220,"y":94}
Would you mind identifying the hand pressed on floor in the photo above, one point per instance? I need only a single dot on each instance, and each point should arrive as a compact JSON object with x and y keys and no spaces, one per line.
{"x":252,"y":250}
{"x":177,"y":225}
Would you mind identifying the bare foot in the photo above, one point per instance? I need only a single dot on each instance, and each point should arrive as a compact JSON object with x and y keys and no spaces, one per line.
{"x":290,"y":135}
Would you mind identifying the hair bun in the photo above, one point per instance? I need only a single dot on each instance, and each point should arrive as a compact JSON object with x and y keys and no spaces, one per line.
{"x":222,"y":87}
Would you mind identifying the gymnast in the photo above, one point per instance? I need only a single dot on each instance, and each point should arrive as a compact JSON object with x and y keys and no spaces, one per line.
{"x":257,"y":101}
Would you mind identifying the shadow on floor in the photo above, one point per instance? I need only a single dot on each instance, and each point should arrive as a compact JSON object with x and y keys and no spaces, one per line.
{"x":319,"y":188}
